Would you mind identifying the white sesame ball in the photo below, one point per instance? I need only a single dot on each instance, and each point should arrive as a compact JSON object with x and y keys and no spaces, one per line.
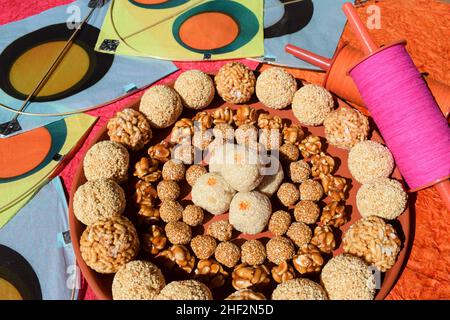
{"x":250,"y":212}
{"x":311,"y":104}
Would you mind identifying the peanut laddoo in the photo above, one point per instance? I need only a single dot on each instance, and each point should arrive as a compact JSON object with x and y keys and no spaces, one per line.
{"x":106,"y":160}
{"x":235,"y":82}
{"x":279,"y":249}
{"x":279,"y":222}
{"x":185,"y":290}
{"x":311,"y":104}
{"x":161,"y":105}
{"x":250,"y":212}
{"x":137,"y":280}
{"x":299,"y":289}
{"x":246,"y":294}
{"x":98,"y":199}
{"x":306,"y":211}
{"x":253,"y":252}
{"x":228,"y":254}
{"x":195,"y":88}
{"x":276,"y":88}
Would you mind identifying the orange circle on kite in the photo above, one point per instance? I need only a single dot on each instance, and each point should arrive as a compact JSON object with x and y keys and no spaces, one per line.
{"x":24,"y":152}
{"x":150,"y":1}
{"x":209,"y":31}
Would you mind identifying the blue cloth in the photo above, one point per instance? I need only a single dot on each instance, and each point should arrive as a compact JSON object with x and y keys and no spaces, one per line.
{"x":124,"y":70}
{"x":35,"y":233}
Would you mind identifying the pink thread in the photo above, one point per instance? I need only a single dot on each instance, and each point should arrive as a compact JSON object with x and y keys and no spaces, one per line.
{"x":406,"y":115}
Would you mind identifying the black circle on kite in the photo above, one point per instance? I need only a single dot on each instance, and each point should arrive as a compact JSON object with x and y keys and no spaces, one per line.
{"x":296,"y":16}
{"x":25,"y":61}
{"x":158,"y":4}
{"x":16,"y":270}
{"x":241,"y":25}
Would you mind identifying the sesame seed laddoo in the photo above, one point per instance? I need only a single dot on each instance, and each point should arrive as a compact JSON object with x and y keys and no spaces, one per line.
{"x":221,"y":230}
{"x":373,"y":240}
{"x":271,"y":181}
{"x":384,"y":198}
{"x":271,"y":139}
{"x":203,"y":246}
{"x":275,"y":88}
{"x":195,"y":88}
{"x":178,"y":232}
{"x":299,"y":289}
{"x":289,"y":153}
{"x":279,"y":249}
{"x":170,"y":211}
{"x":183,"y":153}
{"x":161,"y":105}
{"x":247,"y":135}
{"x":185,"y":290}
{"x":246,"y":294}
{"x":299,"y":233}
{"x":250,"y":212}
{"x":193,"y":215}
{"x":346,"y":277}
{"x":212,"y":193}
{"x":228,"y":254}
{"x":106,"y":160}
{"x":253,"y":252}
{"x":223,"y":133}
{"x":194,"y":172}
{"x":369,"y":160}
{"x":306,"y":211}
{"x":299,"y":171}
{"x":137,"y":280}
{"x":235,"y":82}
{"x":168,"y":190}
{"x":288,"y":194}
{"x":279,"y":222}
{"x":311,"y":104}
{"x":98,"y":199}
{"x":311,"y":190}
{"x":173,"y":170}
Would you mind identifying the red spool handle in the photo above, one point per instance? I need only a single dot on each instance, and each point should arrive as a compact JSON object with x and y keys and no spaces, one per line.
{"x":359,"y":29}
{"x":308,"y":56}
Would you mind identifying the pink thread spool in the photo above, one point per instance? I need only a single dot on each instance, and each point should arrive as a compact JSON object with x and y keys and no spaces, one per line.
{"x":404,"y":110}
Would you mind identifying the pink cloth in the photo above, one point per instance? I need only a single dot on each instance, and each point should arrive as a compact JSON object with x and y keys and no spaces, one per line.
{"x":12,"y":10}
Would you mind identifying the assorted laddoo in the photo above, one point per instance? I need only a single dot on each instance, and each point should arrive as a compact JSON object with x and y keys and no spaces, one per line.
{"x":228,"y":254}
{"x":185,"y":290}
{"x":276,"y":88}
{"x":299,"y":289}
{"x":306,"y":211}
{"x":369,"y":160}
{"x":161,"y":105}
{"x":311,"y":104}
{"x":106,"y":160}
{"x":250,"y":212}
{"x":195,"y":88}
{"x":137,"y":280}
{"x":279,"y":222}
{"x":384,"y":198}
{"x":98,"y":199}
{"x":346,"y":277}
{"x":235,"y":82}
{"x":212,"y":193}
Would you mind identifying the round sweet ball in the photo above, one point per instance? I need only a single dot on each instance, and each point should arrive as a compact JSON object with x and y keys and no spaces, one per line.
{"x":299,"y":289}
{"x":108,"y":244}
{"x":247,"y":135}
{"x":195,"y":88}
{"x":246,"y":294}
{"x":306,"y":211}
{"x":289,"y":153}
{"x":185,"y":290}
{"x":299,"y":233}
{"x":311,"y":190}
{"x":250,"y":212}
{"x":279,"y":249}
{"x":273,"y":177}
{"x":279,"y":222}
{"x":346,"y":277}
{"x":203,"y":246}
{"x":276,"y":88}
{"x":369,"y":160}
{"x":253,"y":252}
{"x":384,"y":198}
{"x":212,"y":193}
{"x":107,"y":160}
{"x":193,"y":215}
{"x":173,"y":170}
{"x":221,"y":230}
{"x":235,"y":82}
{"x":288,"y":194}
{"x":137,"y":280}
{"x":98,"y":199}
{"x":168,"y":190}
{"x":178,"y":232}
{"x":194,"y":172}
{"x":299,"y":171}
{"x":170,"y":211}
{"x":345,"y":127}
{"x":161,"y":105}
{"x":228,"y":254}
{"x":311,"y":104}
